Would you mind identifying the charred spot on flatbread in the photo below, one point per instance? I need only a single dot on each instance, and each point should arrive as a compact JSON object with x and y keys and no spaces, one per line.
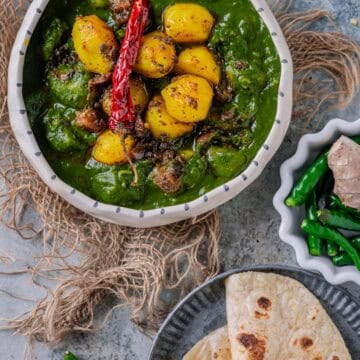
{"x":264,"y":306}
{"x":260,"y":315}
{"x":335,"y":358}
{"x":264,"y":303}
{"x":255,"y":347}
{"x":306,"y":343}
{"x":313,"y":315}
{"x":247,"y":340}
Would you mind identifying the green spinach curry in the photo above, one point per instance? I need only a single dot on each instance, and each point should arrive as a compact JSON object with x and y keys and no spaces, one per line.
{"x":205,"y":94}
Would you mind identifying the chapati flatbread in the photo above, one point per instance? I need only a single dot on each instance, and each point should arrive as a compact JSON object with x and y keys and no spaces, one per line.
{"x":215,"y":346}
{"x":272,"y":317}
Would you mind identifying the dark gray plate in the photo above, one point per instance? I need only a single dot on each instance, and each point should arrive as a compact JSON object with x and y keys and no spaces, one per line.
{"x":203,"y":311}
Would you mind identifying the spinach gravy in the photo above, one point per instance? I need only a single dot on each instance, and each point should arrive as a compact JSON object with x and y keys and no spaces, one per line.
{"x":205,"y":94}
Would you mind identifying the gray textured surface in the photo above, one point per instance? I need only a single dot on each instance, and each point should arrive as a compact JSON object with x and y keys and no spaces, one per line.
{"x":250,"y":237}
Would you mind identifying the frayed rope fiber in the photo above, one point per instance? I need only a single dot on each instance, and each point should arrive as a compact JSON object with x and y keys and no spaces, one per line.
{"x":135,"y":265}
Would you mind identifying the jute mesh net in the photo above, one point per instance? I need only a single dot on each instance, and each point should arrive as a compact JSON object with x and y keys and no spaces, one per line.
{"x":136,"y":265}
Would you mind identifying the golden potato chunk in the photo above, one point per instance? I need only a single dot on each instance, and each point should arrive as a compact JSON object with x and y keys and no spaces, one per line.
{"x":95,"y":44}
{"x":138,"y":93}
{"x":108,"y":149}
{"x":157,"y":55}
{"x":106,"y":102}
{"x":188,"y":23}
{"x":188,"y":98}
{"x":162,"y":124}
{"x":199,"y":60}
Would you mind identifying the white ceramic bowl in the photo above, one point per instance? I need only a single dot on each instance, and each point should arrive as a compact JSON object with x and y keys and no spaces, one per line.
{"x":310,"y":146}
{"x":157,"y":217}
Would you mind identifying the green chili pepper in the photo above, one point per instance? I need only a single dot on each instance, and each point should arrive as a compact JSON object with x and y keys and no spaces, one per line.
{"x":356,"y":242}
{"x":314,"y":242}
{"x":70,"y":356}
{"x":336,"y":204}
{"x":308,"y":181}
{"x":315,"y":228}
{"x":338,"y":219}
{"x":332,"y":249}
{"x":324,"y":189}
{"x":342,"y":259}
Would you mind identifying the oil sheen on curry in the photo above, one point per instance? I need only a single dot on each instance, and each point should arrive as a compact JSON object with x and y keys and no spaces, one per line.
{"x":152,"y":118}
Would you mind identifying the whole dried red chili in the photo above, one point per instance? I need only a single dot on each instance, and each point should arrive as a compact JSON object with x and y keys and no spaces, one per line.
{"x":123,"y":111}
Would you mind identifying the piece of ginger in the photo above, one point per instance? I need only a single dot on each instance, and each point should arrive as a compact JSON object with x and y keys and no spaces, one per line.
{"x":344,"y":161}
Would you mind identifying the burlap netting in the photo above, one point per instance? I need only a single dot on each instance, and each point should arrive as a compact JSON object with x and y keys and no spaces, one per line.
{"x":136,"y":265}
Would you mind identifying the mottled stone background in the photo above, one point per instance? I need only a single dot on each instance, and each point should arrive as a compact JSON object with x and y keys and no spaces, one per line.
{"x":250,"y":237}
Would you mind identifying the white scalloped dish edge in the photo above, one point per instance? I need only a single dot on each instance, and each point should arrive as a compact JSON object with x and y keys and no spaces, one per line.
{"x":309,"y":147}
{"x":162,"y":216}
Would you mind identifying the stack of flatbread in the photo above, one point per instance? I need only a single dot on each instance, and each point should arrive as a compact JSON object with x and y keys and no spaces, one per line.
{"x":271,"y":317}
